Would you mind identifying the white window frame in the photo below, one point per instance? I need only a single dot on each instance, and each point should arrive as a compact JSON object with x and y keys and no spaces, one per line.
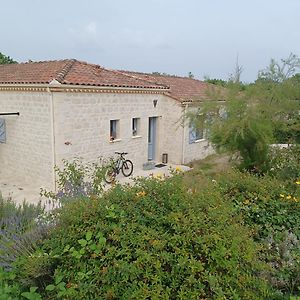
{"x":114,"y":130}
{"x":135,"y":123}
{"x":196,"y":134}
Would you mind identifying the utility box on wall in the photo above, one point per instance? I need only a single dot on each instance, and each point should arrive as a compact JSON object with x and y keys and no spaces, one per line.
{"x":165,"y":158}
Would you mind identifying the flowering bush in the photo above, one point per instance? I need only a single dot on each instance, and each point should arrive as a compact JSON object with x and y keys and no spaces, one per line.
{"x":157,"y":240}
{"x":284,"y":163}
{"x":271,"y":207}
{"x":76,"y":180}
{"x":20,"y":229}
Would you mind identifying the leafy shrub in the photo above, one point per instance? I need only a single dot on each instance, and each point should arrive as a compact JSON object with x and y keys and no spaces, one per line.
{"x":266,"y":202}
{"x":12,"y":290}
{"x":76,"y":180}
{"x":154,"y":240}
{"x":21,"y":227}
{"x":285,"y":163}
{"x":288,"y":132}
{"x":282,"y":253}
{"x":271,"y":207}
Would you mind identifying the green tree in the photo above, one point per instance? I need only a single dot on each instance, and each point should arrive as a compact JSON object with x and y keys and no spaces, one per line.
{"x":280,"y":71}
{"x":6,"y":59}
{"x":247,"y":120}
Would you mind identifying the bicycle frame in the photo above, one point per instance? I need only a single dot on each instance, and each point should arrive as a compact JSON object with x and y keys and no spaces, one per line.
{"x":119,"y":163}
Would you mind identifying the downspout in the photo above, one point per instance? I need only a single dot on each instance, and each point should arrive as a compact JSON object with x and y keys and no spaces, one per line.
{"x":53,"y":138}
{"x":183,"y":136}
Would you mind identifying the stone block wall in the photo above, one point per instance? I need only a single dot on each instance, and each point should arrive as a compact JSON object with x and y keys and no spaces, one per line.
{"x":82,"y":126}
{"x":198,"y":149}
{"x":27,"y":154}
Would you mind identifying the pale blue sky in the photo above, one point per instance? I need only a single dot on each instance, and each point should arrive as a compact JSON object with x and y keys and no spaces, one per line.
{"x":172,"y":36}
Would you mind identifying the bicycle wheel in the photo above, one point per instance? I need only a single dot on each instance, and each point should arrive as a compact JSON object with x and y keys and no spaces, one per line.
{"x":127,"y":168}
{"x":110,"y":175}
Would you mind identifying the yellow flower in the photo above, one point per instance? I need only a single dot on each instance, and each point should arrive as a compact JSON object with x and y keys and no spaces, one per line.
{"x":295,"y":199}
{"x":289,"y":197}
{"x":298,"y":182}
{"x":281,"y":195}
{"x":178,"y":169}
{"x":246,"y":201}
{"x":141,"y":194}
{"x":158,"y":176}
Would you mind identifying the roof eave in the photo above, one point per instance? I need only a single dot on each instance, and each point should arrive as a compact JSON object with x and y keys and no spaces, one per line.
{"x":54,"y":85}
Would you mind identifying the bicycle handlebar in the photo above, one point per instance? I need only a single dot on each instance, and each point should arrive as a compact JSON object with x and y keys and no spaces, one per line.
{"x":121,"y":153}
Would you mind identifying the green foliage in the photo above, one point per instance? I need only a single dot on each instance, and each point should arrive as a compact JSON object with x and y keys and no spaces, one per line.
{"x":26,"y":211}
{"x":21,"y":227}
{"x":236,"y":237}
{"x":271,"y":207}
{"x":284,"y":163}
{"x":245,"y":130}
{"x":76,"y":180}
{"x":154,"y":240}
{"x":11,"y":290}
{"x":6,"y":59}
{"x":268,"y":203}
{"x":216,"y":81}
{"x":282,"y":253}
{"x":279,"y":72}
{"x":256,"y":114}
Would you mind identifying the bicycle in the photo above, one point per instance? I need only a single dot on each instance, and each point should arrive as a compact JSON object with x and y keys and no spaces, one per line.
{"x":121,"y":164}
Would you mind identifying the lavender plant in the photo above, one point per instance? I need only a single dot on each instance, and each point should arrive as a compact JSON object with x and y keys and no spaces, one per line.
{"x":283,"y":257}
{"x":21,"y":228}
{"x":76,"y":180}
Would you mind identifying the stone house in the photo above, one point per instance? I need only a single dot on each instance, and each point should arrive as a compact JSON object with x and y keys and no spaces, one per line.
{"x":57,"y":110}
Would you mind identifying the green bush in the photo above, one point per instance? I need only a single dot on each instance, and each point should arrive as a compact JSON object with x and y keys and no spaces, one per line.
{"x":21,"y":227}
{"x":284,"y":163}
{"x":156,"y":240}
{"x":271,"y":207}
{"x":77,"y":180}
{"x":267,"y":203}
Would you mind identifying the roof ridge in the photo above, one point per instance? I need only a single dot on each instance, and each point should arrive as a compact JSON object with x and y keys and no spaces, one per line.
{"x":43,"y":61}
{"x":65,"y":70}
{"x":162,"y":75}
{"x":139,"y":78}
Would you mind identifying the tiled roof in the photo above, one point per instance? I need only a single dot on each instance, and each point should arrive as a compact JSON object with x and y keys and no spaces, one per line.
{"x":71,"y":72}
{"x":74,"y":72}
{"x":181,"y":88}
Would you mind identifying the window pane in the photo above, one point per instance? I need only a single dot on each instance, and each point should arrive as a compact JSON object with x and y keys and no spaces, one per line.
{"x":114,"y":129}
{"x":135,"y":126}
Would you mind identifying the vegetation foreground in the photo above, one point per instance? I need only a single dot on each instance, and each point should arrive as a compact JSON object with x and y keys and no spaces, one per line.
{"x":192,"y":236}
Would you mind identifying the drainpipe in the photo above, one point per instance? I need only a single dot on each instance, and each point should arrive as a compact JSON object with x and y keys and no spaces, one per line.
{"x":10,"y":114}
{"x":53,"y":137}
{"x":183,"y":136}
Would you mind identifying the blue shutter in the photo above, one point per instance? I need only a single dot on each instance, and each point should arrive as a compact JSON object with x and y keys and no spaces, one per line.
{"x":2,"y":131}
{"x":192,"y":135}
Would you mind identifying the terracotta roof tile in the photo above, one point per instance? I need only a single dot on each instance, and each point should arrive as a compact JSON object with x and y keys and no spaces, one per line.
{"x":181,"y":88}
{"x":74,"y":72}
{"x":70,"y":72}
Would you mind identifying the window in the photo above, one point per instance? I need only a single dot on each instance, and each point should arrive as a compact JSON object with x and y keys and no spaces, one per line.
{"x":223,"y":113}
{"x":2,"y":131}
{"x":114,"y":129}
{"x":196,"y":129}
{"x":195,"y":134}
{"x":135,"y":126}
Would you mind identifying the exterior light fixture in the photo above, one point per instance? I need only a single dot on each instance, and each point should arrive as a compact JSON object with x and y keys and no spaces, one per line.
{"x":155,"y":102}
